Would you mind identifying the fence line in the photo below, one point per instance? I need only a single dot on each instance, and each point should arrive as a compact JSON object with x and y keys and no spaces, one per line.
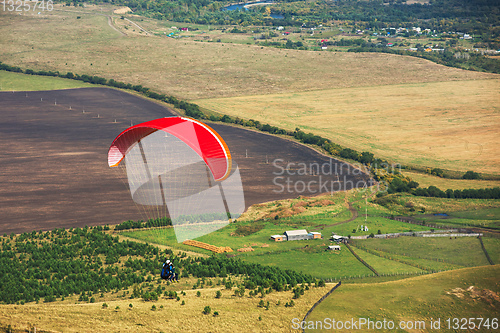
{"x":361,"y":260}
{"x":319,"y":301}
{"x":485,"y":252}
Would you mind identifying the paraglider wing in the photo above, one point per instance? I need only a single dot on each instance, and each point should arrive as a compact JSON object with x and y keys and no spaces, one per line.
{"x":181,"y":165}
{"x":201,"y":138}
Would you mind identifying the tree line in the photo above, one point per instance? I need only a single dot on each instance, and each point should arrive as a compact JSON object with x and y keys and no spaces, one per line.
{"x":159,"y":222}
{"x":471,"y":193}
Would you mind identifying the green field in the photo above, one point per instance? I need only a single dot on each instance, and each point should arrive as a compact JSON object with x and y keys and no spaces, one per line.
{"x":462,"y":251}
{"x":492,"y":245}
{"x":385,"y":266}
{"x":404,"y":255}
{"x":425,"y":180}
{"x":10,"y":81}
{"x":401,"y":203}
{"x":422,"y":298}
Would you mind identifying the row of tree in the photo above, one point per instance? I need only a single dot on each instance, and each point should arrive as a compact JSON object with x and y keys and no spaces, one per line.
{"x":484,"y":193}
{"x":159,"y":222}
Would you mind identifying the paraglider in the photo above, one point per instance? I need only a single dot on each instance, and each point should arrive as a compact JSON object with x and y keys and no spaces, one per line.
{"x":168,"y":272}
{"x":181,"y":168}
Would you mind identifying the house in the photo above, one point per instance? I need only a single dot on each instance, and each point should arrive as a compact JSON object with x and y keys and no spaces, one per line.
{"x":277,"y":238}
{"x":334,"y":247}
{"x":315,"y":235}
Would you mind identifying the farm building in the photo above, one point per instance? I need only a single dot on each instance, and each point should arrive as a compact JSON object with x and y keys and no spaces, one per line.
{"x":334,"y":247}
{"x":296,"y":235}
{"x":277,"y":238}
{"x":338,"y":238}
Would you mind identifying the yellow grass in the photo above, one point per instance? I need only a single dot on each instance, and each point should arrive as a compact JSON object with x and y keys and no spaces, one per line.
{"x":235,"y":314}
{"x":451,"y":125}
{"x":122,"y":10}
{"x":454,"y":184}
{"x":57,"y":40}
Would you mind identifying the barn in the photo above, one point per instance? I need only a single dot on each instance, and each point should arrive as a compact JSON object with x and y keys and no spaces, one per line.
{"x":297,"y":235}
{"x":339,"y":239}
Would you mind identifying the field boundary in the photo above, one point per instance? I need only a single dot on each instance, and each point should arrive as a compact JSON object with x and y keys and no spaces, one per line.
{"x":319,"y":301}
{"x":485,"y":252}
{"x":361,"y":260}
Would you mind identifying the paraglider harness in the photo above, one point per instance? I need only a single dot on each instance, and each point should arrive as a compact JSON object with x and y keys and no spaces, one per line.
{"x":168,"y":272}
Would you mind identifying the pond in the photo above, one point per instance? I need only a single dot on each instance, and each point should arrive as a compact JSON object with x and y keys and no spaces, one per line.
{"x":247,"y":5}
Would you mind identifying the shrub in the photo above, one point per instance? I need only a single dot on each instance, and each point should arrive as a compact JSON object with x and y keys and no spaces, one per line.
{"x":471,"y":175}
{"x":207,"y":310}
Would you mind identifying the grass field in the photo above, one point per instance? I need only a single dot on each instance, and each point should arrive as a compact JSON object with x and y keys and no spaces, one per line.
{"x":194,"y":70}
{"x":488,"y":218}
{"x":385,"y":266}
{"x":401,"y":203}
{"x":492,"y":246}
{"x":235,"y":313}
{"x":464,"y":251}
{"x":21,"y":82}
{"x":451,"y":125}
{"x":422,"y":298}
{"x":425,"y":180}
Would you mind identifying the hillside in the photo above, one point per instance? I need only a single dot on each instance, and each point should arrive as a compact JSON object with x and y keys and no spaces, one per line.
{"x":464,"y":293}
{"x":86,"y":44}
